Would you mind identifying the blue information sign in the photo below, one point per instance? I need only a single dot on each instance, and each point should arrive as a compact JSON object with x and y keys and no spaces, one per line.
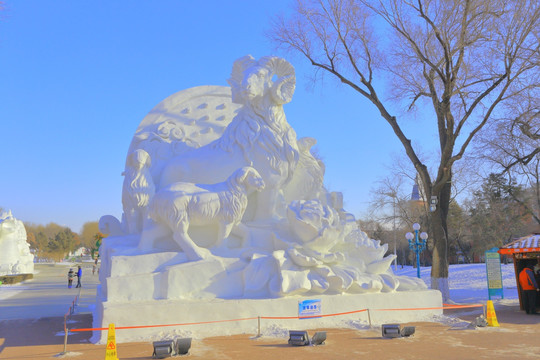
{"x":494,"y":274}
{"x":309,"y":308}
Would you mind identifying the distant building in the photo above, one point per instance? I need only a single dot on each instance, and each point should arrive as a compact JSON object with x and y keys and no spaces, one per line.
{"x":417,"y":194}
{"x":80,"y":252}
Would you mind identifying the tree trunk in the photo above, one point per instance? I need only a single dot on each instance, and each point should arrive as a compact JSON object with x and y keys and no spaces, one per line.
{"x":439,"y":269}
{"x":439,"y":228}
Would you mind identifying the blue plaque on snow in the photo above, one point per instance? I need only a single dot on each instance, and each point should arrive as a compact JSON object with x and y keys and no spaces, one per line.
{"x":309,"y":308}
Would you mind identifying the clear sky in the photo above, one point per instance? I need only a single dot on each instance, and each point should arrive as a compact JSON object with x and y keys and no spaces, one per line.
{"x":77,"y":77}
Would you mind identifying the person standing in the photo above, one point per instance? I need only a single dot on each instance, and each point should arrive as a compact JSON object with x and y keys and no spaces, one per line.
{"x":79,"y":276}
{"x":71,"y":275}
{"x":529,"y":289}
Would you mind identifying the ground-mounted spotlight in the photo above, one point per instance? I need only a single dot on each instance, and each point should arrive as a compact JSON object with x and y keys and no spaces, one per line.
{"x":298,"y":338}
{"x":408,"y":330}
{"x":391,"y":331}
{"x":318,"y":338}
{"x":182,"y":346}
{"x":163,"y":349}
{"x":394,"y":331}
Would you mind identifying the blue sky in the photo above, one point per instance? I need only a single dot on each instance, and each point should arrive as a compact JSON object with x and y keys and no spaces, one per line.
{"x":77,"y":77}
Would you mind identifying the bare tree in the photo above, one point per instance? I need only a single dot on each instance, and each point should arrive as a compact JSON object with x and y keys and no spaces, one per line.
{"x":512,"y":146}
{"x":466,"y":59}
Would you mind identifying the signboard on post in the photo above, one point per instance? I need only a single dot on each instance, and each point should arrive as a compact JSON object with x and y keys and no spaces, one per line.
{"x":494,"y":274}
{"x":309,"y":308}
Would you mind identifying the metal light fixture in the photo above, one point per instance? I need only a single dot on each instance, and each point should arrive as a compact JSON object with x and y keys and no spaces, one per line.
{"x":391,"y":331}
{"x":433,"y":204}
{"x":163,"y":349}
{"x":167,"y":348}
{"x":318,"y":338}
{"x":417,"y":246}
{"x":298,"y":338}
{"x":408,"y":330}
{"x":183,"y":346}
{"x":394,"y":331}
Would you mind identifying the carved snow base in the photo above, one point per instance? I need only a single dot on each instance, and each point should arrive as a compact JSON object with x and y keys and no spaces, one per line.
{"x":164,"y":312}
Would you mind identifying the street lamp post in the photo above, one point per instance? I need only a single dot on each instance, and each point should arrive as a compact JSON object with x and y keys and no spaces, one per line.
{"x":417,"y":245}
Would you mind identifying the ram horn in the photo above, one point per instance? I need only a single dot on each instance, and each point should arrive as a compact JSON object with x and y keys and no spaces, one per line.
{"x":237,"y":75}
{"x":283,"y":88}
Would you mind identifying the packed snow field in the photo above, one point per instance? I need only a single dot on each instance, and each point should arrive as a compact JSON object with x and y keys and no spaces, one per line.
{"x":467,"y":282}
{"x":7,"y":291}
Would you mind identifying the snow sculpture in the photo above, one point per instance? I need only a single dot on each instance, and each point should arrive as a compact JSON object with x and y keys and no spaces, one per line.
{"x":138,"y":190}
{"x":259,"y":135}
{"x":181,"y":204}
{"x":15,"y":256}
{"x":234,"y":205}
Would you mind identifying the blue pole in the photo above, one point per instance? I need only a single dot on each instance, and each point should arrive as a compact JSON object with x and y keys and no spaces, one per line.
{"x":417,"y":246}
{"x":418,"y":250}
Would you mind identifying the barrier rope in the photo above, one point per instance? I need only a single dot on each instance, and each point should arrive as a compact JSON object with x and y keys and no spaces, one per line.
{"x":165,"y":325}
{"x":70,"y":312}
{"x":445,"y":307}
{"x":453,"y":306}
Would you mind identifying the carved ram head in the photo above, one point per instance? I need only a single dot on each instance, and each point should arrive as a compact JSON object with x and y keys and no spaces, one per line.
{"x":251,"y":78}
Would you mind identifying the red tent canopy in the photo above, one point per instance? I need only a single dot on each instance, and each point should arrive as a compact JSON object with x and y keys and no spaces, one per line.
{"x":525,"y":244}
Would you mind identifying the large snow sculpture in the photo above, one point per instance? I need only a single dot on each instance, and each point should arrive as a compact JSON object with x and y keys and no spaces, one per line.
{"x":259,"y":135}
{"x":181,"y":204}
{"x":233,"y":204}
{"x":15,"y":256}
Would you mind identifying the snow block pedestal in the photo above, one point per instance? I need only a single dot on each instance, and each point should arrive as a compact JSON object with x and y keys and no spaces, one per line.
{"x":206,"y":318}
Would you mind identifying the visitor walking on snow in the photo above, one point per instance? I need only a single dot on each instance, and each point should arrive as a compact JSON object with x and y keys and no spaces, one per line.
{"x":71,"y":275}
{"x":530,"y":288}
{"x":79,"y":276}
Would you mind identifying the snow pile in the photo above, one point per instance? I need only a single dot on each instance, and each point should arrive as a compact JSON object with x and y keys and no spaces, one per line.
{"x":15,"y":256}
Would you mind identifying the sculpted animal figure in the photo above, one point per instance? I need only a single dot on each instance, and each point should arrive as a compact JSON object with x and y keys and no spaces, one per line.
{"x":307,"y":182}
{"x":137,"y":190}
{"x":258,"y":136}
{"x":179,"y":205}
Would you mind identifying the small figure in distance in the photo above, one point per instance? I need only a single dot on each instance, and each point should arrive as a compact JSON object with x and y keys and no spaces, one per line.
{"x":79,"y":276}
{"x":71,"y":275}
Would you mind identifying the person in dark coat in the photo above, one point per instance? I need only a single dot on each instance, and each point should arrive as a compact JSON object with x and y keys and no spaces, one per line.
{"x":71,"y":275}
{"x":79,"y":276}
{"x":529,"y":289}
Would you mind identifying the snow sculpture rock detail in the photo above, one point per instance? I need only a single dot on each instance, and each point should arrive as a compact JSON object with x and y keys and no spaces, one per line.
{"x":286,"y":234}
{"x":15,"y":256}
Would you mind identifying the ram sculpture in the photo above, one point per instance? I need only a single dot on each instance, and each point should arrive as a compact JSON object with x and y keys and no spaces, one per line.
{"x":259,"y":135}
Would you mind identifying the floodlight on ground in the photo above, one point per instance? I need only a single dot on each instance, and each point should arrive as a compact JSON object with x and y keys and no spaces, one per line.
{"x":408,"y":330}
{"x":182,"y":346}
{"x":391,"y":331}
{"x":298,"y":338}
{"x":318,"y":338}
{"x":163,"y":349}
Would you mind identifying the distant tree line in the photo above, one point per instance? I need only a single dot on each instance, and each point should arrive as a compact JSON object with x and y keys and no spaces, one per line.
{"x":55,"y":242}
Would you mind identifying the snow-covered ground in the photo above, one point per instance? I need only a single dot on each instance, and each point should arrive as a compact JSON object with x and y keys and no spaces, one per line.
{"x":7,"y":291}
{"x":468,"y":282}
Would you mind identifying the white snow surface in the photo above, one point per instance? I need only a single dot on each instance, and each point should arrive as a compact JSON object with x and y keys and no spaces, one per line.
{"x":468,"y":282}
{"x":468,"y":285}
